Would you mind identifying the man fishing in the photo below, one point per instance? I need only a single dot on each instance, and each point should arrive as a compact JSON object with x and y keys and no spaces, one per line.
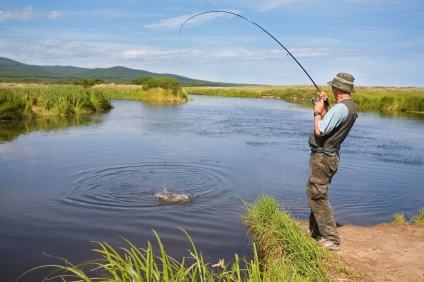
{"x":331,"y":127}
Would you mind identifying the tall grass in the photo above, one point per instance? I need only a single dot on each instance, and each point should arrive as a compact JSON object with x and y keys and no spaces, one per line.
{"x":286,"y":253}
{"x":19,"y":101}
{"x":134,"y":264}
{"x":408,"y":99}
{"x":32,"y":100}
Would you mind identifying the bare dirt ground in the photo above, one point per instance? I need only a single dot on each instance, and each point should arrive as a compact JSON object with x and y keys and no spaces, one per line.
{"x":385,"y":252}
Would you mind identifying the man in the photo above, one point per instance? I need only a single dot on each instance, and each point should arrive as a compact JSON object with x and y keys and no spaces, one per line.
{"x":330,"y":129}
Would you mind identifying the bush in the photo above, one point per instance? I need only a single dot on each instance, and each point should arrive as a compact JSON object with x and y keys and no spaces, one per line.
{"x":166,"y":83}
{"x":88,"y":82}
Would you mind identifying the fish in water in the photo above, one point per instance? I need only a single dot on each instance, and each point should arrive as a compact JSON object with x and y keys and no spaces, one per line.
{"x":166,"y":197}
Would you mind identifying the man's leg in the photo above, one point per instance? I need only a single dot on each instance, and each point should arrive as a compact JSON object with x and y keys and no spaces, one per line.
{"x":321,"y":170}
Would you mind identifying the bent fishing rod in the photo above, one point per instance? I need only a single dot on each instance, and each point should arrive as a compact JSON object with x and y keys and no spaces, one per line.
{"x":227,"y":12}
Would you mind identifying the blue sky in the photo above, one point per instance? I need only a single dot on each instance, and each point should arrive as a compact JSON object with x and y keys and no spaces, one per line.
{"x":380,"y":42}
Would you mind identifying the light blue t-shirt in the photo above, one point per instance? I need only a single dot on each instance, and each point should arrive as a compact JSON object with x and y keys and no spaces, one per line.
{"x":333,"y":118}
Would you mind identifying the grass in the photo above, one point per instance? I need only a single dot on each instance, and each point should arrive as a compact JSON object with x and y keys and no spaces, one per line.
{"x":418,"y":218}
{"x":280,"y":252}
{"x":28,"y":101}
{"x":19,"y":101}
{"x":399,"y":217}
{"x":285,"y":252}
{"x":404,"y":99}
{"x":155,"y":95}
{"x":134,"y":264}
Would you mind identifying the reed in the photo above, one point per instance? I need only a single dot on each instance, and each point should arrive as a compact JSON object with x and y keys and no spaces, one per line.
{"x":134,"y":264}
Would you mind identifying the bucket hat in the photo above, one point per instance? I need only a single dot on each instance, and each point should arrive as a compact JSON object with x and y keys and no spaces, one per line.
{"x":343,"y":81}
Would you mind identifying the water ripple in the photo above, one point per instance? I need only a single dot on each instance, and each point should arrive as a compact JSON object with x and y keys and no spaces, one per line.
{"x":144,"y":185}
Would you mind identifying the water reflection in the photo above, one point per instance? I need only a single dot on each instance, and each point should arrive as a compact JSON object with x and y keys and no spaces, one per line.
{"x":11,"y":130}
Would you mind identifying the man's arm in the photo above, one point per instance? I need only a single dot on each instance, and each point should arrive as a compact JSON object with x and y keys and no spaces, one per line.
{"x":324,"y":125}
{"x":318,"y":113}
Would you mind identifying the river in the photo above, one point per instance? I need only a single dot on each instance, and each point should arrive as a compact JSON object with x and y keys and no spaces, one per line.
{"x":64,"y":187}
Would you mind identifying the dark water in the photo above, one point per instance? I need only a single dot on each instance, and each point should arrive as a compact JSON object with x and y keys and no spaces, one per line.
{"x":98,"y":179}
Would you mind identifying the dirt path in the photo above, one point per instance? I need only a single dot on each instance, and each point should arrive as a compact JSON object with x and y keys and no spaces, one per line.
{"x":385,"y":252}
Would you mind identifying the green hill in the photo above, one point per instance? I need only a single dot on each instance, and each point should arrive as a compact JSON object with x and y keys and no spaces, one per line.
{"x":13,"y":71}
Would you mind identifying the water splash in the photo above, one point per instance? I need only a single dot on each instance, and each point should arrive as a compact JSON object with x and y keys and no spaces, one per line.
{"x":167,"y":197}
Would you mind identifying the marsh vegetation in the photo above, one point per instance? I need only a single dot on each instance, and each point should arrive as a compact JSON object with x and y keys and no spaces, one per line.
{"x":407,"y":99}
{"x":29,"y":101}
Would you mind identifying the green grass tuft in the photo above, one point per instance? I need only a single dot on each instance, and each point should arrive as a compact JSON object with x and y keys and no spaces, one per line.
{"x":134,"y":264}
{"x":285,"y":252}
{"x":399,"y":217}
{"x":418,"y":218}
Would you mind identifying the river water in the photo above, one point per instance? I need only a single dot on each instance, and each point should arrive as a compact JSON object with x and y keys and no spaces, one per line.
{"x":96,"y":180}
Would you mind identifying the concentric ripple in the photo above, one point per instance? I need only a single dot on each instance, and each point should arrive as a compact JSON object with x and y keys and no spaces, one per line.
{"x":145,"y":185}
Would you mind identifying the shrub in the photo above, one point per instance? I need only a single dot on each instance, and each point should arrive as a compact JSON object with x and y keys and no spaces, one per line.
{"x":88,"y":82}
{"x":166,"y":83}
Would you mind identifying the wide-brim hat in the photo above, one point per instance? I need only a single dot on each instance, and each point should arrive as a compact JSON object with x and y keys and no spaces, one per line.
{"x":343,"y":81}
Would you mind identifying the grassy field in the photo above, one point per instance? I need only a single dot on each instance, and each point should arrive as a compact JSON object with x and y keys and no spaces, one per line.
{"x":409,"y":99}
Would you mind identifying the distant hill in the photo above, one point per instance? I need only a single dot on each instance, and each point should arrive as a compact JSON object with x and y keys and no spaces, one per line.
{"x":14,"y":71}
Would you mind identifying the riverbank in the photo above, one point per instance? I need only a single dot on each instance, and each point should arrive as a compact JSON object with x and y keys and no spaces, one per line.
{"x":384,"y":252}
{"x":403,"y":99}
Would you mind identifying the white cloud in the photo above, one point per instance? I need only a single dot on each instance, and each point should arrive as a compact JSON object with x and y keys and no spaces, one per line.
{"x":27,"y":14}
{"x":267,"y":5}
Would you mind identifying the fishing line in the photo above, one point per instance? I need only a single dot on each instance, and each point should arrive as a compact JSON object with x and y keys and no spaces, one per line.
{"x":227,"y":12}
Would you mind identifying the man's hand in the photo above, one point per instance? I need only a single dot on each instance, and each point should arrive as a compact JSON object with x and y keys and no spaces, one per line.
{"x":323,"y":96}
{"x":319,"y":106}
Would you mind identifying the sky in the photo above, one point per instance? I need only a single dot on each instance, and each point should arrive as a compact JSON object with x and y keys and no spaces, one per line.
{"x":379,"y":42}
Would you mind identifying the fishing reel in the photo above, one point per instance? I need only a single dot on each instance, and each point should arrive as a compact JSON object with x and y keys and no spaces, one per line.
{"x":315,"y":100}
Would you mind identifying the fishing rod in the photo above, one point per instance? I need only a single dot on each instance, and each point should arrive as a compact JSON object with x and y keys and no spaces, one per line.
{"x":227,"y":12}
